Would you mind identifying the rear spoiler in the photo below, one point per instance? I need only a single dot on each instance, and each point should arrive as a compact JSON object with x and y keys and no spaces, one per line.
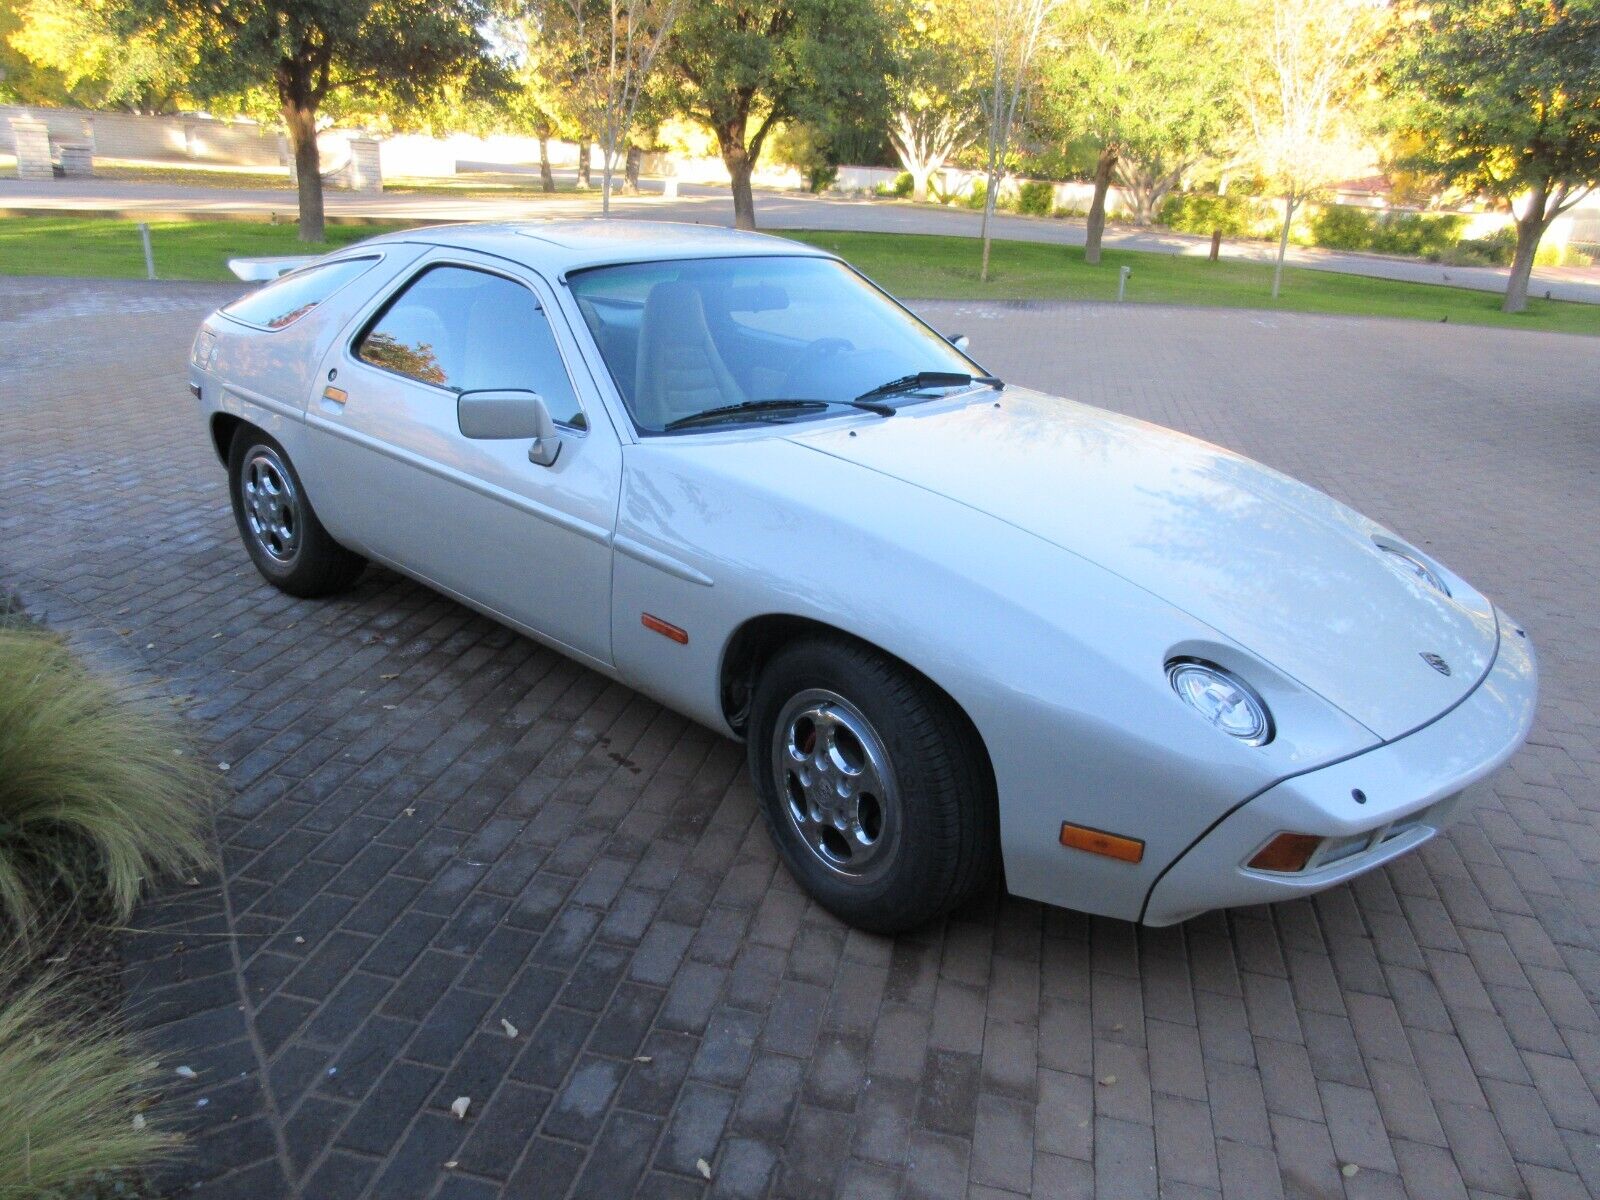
{"x":259,"y":270}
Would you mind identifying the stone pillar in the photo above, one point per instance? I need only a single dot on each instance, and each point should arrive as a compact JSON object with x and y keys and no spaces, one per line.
{"x":365,"y":172}
{"x":33,"y":148}
{"x":77,"y":161}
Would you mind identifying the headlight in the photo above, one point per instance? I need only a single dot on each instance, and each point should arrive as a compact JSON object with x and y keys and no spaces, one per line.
{"x":1414,"y":567}
{"x":1226,"y":702}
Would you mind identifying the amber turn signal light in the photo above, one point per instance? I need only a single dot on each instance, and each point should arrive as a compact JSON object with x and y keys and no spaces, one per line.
{"x":665,"y":628}
{"x":1286,"y":852}
{"x":1098,"y":841}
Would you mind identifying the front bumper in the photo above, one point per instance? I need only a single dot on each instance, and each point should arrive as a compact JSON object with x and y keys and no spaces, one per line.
{"x":1412,"y":788}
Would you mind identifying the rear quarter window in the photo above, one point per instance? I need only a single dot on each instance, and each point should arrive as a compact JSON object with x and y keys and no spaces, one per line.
{"x":284,"y":301}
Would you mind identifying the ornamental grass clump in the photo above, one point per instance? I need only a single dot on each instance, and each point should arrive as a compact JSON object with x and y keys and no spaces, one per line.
{"x":70,"y":1095}
{"x":97,"y":791}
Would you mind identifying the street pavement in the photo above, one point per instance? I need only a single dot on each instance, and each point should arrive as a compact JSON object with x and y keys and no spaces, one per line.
{"x":774,"y":210}
{"x":455,"y":864}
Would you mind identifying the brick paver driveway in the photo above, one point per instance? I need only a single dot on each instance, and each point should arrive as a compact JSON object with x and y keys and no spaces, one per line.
{"x":435,"y":827}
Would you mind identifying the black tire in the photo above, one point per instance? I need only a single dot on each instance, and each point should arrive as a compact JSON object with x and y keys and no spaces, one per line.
{"x":294,"y":553}
{"x":945,"y":848}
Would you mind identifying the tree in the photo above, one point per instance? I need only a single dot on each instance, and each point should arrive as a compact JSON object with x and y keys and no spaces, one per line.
{"x":934,"y":92}
{"x":1504,"y":97}
{"x":1155,"y":83}
{"x":312,"y":51}
{"x":1307,"y":66}
{"x":739,"y":67}
{"x":74,"y":46}
{"x":612,"y":47}
{"x":1012,"y":31}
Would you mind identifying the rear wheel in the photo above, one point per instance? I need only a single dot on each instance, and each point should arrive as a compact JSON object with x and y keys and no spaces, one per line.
{"x":285,"y":540}
{"x":872,"y":785}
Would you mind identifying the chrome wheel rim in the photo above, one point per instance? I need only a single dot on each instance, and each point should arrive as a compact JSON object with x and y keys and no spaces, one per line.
{"x":836,"y":785}
{"x":271,"y":505}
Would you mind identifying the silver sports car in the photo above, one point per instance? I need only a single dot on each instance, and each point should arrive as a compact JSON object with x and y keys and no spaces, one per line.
{"x":961,"y":625}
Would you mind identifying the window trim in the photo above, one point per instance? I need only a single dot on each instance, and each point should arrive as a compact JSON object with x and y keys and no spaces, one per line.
{"x":401,"y":286}
{"x":373,"y":257}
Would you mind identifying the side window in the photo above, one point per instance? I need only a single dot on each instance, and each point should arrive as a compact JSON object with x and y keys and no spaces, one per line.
{"x":468,"y":330}
{"x":290,"y":297}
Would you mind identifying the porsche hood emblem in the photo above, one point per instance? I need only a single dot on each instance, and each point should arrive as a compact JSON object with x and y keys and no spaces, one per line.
{"x":1437,"y":663}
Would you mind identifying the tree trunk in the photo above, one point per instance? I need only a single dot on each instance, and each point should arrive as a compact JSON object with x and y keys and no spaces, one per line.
{"x":1289,"y":205}
{"x":919,"y":184}
{"x":630,"y":170}
{"x":583,"y":164}
{"x":1530,"y":228}
{"x":1097,"y":207}
{"x":737,"y":159}
{"x":301,"y":120}
{"x":546,"y":179}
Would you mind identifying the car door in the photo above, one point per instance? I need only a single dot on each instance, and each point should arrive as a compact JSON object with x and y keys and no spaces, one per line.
{"x":476,"y":518}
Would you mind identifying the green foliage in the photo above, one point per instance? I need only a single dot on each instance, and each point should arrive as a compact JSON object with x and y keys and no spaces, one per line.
{"x":808,"y":150}
{"x":76,"y":43}
{"x":395,"y":55}
{"x":1204,"y":212}
{"x":1155,"y":80}
{"x":1495,"y":250}
{"x":68,"y":1095}
{"x":1035,"y":198}
{"x":96,"y":789}
{"x":978,"y":196}
{"x":731,"y":62}
{"x":1344,"y":227}
{"x":1502,"y":97}
{"x":903,"y":183}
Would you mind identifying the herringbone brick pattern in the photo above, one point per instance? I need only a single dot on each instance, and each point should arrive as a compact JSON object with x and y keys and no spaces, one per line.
{"x":438,"y":832}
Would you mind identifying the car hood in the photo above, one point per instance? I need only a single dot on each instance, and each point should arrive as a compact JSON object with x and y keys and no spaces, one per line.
{"x":1271,"y":564}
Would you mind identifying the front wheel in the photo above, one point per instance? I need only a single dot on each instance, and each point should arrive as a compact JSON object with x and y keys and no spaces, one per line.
{"x":285,"y":540}
{"x":873,"y":787}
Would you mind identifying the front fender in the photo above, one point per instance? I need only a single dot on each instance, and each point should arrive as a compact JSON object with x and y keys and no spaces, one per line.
{"x":1059,"y":664}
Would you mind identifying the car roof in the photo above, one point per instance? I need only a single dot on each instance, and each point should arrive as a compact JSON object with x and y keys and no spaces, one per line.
{"x":561,"y":246}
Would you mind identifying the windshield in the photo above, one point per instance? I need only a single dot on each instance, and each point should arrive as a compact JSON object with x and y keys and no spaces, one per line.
{"x":737,"y":334}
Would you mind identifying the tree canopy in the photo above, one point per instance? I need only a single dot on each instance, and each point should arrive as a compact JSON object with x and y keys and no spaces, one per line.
{"x":742,"y":66}
{"x":1503,"y":97}
{"x":307,"y":52}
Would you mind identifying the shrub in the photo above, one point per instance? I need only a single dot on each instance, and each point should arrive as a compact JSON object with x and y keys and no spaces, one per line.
{"x":96,"y":791}
{"x":1341,"y":227}
{"x":1035,"y":198}
{"x":903,"y":184}
{"x":68,"y":1096}
{"x":1203,"y":212}
{"x":978,"y":196}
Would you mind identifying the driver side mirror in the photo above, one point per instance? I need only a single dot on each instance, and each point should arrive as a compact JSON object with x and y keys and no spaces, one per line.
{"x":504,"y":415}
{"x":959,"y":340}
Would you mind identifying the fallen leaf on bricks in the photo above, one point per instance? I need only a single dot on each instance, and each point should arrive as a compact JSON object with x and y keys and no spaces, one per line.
{"x":705,"y":1167}
{"x":511,"y":1030}
{"x":459,"y":1107}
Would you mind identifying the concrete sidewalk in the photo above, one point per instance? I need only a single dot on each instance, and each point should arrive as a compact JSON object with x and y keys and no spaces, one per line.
{"x":711,"y":205}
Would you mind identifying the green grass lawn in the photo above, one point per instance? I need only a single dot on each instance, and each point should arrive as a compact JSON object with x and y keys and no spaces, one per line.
{"x":921,"y":267}
{"x":183,"y":249}
{"x":928,"y":268}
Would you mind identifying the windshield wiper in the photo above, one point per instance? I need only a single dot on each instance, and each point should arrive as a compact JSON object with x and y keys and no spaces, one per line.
{"x":926,"y":379}
{"x":751,"y":407}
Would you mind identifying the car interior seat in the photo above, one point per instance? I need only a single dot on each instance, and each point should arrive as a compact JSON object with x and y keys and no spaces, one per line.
{"x":680,"y":371}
